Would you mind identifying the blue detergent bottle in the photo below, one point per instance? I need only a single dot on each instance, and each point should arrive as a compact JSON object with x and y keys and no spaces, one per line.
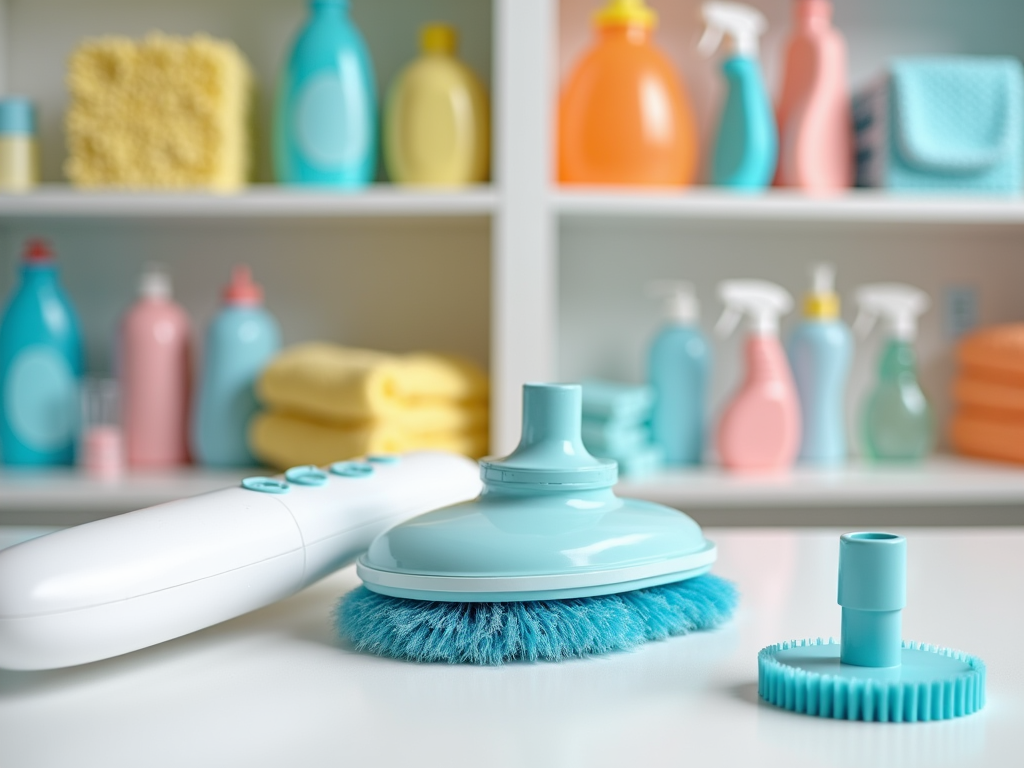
{"x":677,"y":370}
{"x":820,"y":351}
{"x":325,"y":121}
{"x":40,"y":366}
{"x":747,"y":142}
{"x":241,"y":340}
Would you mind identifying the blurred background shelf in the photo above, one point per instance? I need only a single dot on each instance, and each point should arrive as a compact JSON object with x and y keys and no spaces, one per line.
{"x":945,"y":490}
{"x":54,"y":201}
{"x":68,"y":497}
{"x":779,"y":205}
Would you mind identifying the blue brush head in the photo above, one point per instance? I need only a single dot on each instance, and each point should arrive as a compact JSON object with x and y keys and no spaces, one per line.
{"x":540,"y":630}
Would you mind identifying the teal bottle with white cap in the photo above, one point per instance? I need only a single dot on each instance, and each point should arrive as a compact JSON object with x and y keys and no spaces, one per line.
{"x":897,"y":423}
{"x":677,"y":370}
{"x":747,"y":139}
{"x":19,"y":154}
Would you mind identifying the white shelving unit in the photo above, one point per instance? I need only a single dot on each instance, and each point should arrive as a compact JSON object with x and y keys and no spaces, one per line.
{"x":534,"y":281}
{"x":57,"y":201}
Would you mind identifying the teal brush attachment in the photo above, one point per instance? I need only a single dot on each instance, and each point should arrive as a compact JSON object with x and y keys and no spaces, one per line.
{"x":871,"y":674}
{"x":546,"y":564}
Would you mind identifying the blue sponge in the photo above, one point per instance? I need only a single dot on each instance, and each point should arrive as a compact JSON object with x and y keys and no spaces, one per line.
{"x":543,"y":630}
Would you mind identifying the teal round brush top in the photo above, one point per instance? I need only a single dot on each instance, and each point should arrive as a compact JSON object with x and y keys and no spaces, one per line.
{"x":547,"y":526}
{"x":871,"y":674}
{"x":547,"y":563}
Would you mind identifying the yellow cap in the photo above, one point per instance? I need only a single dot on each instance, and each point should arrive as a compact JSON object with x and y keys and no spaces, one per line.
{"x":438,"y":38}
{"x":626,"y":12}
{"x":821,"y":306}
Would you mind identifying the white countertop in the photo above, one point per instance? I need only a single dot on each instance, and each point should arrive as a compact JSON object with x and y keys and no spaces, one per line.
{"x":274,"y":688}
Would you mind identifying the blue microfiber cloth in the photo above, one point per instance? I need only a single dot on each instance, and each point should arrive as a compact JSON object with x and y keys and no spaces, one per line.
{"x":542,"y":630}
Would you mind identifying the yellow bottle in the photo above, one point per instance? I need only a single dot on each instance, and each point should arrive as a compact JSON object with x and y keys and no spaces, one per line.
{"x":436,"y":121}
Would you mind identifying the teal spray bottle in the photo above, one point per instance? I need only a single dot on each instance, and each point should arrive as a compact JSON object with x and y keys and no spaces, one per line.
{"x":677,"y":370}
{"x":820,"y":349}
{"x":896,"y":421}
{"x":747,"y":141}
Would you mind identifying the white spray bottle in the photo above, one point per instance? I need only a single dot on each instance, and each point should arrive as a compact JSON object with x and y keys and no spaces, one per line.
{"x":760,"y":427}
{"x":896,"y":421}
{"x":747,"y":142}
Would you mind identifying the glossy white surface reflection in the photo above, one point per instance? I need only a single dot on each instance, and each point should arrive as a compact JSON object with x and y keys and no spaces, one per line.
{"x":274,"y":689}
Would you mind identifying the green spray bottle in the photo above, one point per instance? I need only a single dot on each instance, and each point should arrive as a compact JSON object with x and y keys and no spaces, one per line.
{"x":896,"y":420}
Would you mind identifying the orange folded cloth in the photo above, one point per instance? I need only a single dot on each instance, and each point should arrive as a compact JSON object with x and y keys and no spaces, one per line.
{"x":973,"y":392}
{"x":988,"y":435}
{"x":995,"y":353}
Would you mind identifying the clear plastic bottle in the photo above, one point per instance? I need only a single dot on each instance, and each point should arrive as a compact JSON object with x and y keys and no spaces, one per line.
{"x":897,"y":423}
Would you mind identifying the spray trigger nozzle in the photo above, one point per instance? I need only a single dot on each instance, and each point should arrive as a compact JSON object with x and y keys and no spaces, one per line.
{"x":681,"y":305}
{"x":742,"y":24}
{"x":763,"y":302}
{"x":899,"y":304}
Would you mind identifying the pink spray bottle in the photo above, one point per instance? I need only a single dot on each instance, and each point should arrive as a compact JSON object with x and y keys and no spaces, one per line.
{"x":155,"y":374}
{"x":815,"y":129}
{"x":760,"y":427}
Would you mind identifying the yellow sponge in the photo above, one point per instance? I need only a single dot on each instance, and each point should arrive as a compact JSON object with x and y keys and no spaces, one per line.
{"x":163,"y":113}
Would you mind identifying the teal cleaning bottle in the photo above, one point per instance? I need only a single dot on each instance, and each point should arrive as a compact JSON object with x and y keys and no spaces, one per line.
{"x":747,"y":141}
{"x":896,"y":421}
{"x":241,"y":340}
{"x":40,"y":366}
{"x":820,"y":350}
{"x":325,"y":122}
{"x":677,"y":370}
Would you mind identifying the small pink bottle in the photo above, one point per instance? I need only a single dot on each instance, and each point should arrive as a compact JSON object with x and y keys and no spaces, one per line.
{"x":155,"y":347}
{"x":815,"y":129}
{"x":760,"y":427}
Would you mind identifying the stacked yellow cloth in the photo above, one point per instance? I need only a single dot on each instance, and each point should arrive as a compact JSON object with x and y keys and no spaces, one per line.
{"x":328,"y":403}
{"x":162,"y":113}
{"x":989,"y":394}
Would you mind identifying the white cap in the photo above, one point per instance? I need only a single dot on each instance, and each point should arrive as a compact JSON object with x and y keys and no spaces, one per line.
{"x":823,"y":278}
{"x":899,"y":304}
{"x":762,"y":302}
{"x":681,"y":306}
{"x":155,"y":283}
{"x":741,"y":24}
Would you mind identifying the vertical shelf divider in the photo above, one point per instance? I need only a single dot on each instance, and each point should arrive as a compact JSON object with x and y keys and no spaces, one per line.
{"x":524,"y":291}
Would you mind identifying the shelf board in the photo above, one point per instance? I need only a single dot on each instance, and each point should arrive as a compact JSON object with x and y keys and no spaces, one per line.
{"x":258,"y":201}
{"x":781,"y":205}
{"x":958,"y":490}
{"x":69,"y":497}
{"x":942,"y":490}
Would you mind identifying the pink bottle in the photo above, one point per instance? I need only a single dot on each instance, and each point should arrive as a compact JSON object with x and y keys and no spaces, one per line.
{"x":815,"y":130}
{"x":760,"y":427}
{"x":155,"y":373}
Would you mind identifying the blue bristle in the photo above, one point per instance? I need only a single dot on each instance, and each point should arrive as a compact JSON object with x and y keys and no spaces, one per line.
{"x":543,"y":630}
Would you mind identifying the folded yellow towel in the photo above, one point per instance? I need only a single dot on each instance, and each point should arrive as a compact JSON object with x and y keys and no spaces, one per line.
{"x":327,"y":382}
{"x":163,"y":113}
{"x":285,"y":441}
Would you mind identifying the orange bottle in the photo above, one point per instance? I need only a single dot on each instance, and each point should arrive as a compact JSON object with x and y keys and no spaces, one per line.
{"x":624,"y":117}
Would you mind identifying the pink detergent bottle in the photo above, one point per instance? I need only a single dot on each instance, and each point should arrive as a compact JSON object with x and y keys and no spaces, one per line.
{"x":815,"y":129}
{"x":760,"y":427}
{"x":155,"y":373}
